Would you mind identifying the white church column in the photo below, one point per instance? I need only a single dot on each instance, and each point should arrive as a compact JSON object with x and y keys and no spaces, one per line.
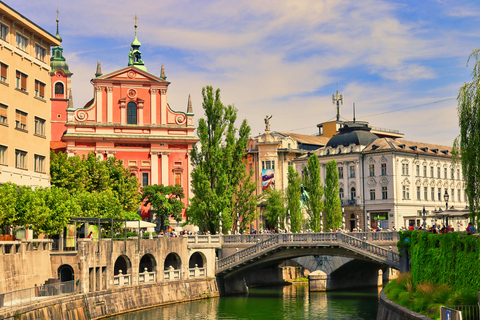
{"x":153,"y":105}
{"x":109,"y":104}
{"x":163,"y":106}
{"x":140,"y":113}
{"x":154,"y":166}
{"x":165,"y":168}
{"x":99,"y":101}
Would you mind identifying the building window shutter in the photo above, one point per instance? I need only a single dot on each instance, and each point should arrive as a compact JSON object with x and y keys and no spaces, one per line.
{"x":24,"y":82}
{"x":4,"y":71}
{"x":42,"y":90}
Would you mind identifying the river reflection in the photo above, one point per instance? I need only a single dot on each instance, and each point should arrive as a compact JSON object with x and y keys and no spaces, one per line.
{"x":279,"y":302}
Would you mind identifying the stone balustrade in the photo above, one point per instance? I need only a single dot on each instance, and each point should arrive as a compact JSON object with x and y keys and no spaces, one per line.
{"x":122,"y":279}
{"x":146,"y":277}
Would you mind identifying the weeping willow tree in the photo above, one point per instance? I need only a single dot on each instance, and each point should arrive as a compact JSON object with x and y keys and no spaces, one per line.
{"x":467,"y":145}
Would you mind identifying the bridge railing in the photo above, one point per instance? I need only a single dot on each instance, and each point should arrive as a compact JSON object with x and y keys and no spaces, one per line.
{"x":365,"y":246}
{"x":357,"y":242}
{"x":255,"y":238}
{"x":204,"y":239}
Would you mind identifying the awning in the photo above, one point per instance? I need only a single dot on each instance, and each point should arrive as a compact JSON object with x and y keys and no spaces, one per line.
{"x":135,"y":224}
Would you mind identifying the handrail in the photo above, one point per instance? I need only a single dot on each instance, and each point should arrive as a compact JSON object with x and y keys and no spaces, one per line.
{"x":345,"y":240}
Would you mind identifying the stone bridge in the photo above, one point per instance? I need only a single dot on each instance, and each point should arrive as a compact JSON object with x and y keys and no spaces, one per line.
{"x":259,"y":251}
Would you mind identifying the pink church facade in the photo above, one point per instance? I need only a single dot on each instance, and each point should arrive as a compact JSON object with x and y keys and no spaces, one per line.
{"x":129,"y":118}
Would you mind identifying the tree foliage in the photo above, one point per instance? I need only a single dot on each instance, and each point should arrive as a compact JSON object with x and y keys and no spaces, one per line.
{"x":166,"y":200}
{"x":467,"y":144}
{"x":313,"y":184}
{"x":8,"y":202}
{"x":274,"y":208}
{"x":93,"y":175}
{"x":218,"y":164}
{"x":292,"y":198}
{"x":333,"y":206}
{"x":245,"y":200}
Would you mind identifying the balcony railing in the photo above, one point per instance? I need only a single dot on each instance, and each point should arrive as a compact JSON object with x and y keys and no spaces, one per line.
{"x":346,"y":203}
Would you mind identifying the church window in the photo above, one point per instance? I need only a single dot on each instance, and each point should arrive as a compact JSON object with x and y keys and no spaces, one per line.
{"x":178,"y":178}
{"x":131,"y":113}
{"x":145,"y":179}
{"x":59,"y":88}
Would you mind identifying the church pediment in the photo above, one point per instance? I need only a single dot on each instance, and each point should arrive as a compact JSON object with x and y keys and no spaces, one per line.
{"x":132,"y":73}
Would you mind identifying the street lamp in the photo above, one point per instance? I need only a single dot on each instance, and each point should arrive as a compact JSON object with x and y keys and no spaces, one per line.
{"x":446,"y":197}
{"x":238,"y":223}
{"x":424,"y":214}
{"x":220,"y":222}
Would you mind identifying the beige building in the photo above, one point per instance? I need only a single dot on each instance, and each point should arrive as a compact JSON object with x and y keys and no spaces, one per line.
{"x":25,"y":92}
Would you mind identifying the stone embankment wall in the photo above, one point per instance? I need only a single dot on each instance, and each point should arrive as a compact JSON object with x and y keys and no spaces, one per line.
{"x":97,"y":305}
{"x":23,"y":269}
{"x":388,"y":310}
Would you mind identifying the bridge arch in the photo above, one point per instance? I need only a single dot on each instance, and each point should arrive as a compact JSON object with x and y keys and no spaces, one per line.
{"x":122,"y":263}
{"x":147,"y":261}
{"x":197,"y":259}
{"x":173,"y":260}
{"x":65,"y":273}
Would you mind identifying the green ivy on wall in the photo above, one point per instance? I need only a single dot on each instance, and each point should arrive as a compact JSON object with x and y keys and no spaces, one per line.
{"x":451,"y":258}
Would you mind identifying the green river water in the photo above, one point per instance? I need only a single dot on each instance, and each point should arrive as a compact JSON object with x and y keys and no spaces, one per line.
{"x":279,"y":302}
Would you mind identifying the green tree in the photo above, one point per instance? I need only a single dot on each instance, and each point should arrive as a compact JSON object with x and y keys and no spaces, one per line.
{"x":94,"y":175}
{"x":218,"y":164}
{"x":292,"y":197}
{"x":8,"y":202}
{"x":30,"y":208}
{"x":102,"y":204}
{"x":245,"y":200}
{"x":59,"y":207}
{"x":166,"y":200}
{"x":313,"y":184}
{"x":467,"y":144}
{"x":274,"y":208}
{"x":333,"y":206}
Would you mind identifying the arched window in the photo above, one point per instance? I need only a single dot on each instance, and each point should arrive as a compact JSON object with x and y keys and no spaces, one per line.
{"x":340,"y":193}
{"x":59,"y":88}
{"x":131,"y":113}
{"x":353,"y":193}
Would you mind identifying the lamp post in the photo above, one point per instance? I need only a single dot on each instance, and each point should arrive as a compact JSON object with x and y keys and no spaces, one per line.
{"x":220,"y":223}
{"x":446,"y":197}
{"x":238,"y":223}
{"x":424,"y":216}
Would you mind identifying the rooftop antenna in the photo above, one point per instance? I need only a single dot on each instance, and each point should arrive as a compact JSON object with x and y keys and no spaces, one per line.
{"x":337,"y":99}
{"x":354,"y":112}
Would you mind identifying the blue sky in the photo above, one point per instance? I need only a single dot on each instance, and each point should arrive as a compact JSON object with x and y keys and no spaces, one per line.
{"x":401,"y":62}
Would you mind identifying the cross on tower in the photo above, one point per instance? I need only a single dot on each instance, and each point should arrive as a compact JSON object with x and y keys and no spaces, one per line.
{"x":136,"y":18}
{"x":57,"y":13}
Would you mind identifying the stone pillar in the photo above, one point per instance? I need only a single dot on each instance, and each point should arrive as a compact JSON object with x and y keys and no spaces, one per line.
{"x":154,"y":166}
{"x":318,"y":281}
{"x":109,"y":104}
{"x":380,"y":278}
{"x":123,"y":112}
{"x":165,"y":168}
{"x":153,"y":105}
{"x":99,"y":100}
{"x":163,"y":106}
{"x":110,"y":153}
